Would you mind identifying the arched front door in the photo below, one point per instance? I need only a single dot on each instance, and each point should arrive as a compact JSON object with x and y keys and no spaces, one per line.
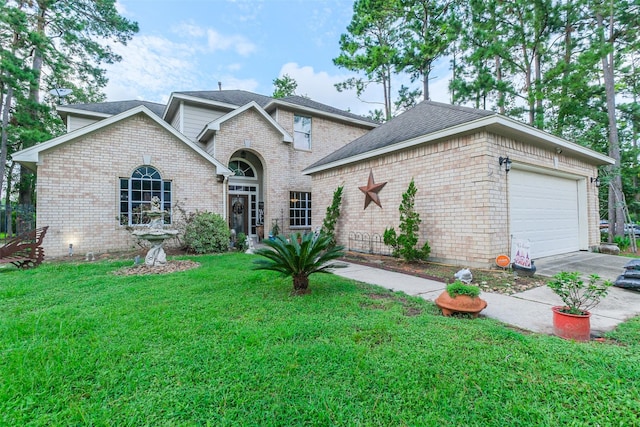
{"x":243,"y":207}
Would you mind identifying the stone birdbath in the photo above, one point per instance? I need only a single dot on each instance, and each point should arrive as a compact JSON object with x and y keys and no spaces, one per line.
{"x":155,"y":234}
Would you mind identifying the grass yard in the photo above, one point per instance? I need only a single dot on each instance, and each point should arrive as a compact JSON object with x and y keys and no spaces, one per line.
{"x":225,"y":345}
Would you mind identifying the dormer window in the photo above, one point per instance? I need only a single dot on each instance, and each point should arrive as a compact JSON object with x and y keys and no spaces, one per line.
{"x":301,"y":132}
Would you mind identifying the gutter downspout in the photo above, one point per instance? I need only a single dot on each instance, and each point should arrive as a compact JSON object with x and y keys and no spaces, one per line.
{"x":225,"y":182}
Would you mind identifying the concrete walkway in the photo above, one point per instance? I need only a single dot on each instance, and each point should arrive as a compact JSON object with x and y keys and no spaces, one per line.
{"x":529,"y":310}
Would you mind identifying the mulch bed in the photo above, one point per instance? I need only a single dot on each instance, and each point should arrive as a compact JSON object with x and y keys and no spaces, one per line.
{"x":172,"y":266}
{"x":496,"y":280}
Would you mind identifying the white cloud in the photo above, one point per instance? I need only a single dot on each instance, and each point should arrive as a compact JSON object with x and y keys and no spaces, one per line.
{"x":240,"y":44}
{"x":150,"y":69}
{"x":121,"y":9}
{"x":319,"y":86}
{"x":189,"y":29}
{"x":153,"y":66}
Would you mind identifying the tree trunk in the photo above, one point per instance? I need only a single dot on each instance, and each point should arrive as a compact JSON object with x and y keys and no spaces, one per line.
{"x":8,"y":210}
{"x":499,"y":80}
{"x":300,"y":284}
{"x":539,"y":117}
{"x":568,"y":51}
{"x":25,"y":188}
{"x":3,"y":145}
{"x":616,"y":215}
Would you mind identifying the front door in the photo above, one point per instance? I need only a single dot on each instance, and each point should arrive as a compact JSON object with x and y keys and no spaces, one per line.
{"x":239,"y":213}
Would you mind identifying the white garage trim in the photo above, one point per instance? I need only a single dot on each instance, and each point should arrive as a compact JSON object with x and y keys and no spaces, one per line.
{"x":548,"y":209}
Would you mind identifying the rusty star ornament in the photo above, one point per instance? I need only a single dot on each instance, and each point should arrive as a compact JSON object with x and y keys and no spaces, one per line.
{"x":371,"y":191}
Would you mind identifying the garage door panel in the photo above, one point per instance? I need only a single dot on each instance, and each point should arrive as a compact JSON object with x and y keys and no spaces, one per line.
{"x":544,"y":209}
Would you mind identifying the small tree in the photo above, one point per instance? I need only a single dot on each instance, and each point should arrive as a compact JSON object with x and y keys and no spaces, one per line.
{"x":332,"y":215}
{"x":405,"y":243}
{"x":285,"y":86}
{"x":299,"y":260}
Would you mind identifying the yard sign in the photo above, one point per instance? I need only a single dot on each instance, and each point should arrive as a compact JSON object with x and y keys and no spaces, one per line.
{"x":522,"y":250}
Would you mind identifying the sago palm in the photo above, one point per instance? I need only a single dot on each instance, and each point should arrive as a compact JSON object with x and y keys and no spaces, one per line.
{"x":299,"y":259}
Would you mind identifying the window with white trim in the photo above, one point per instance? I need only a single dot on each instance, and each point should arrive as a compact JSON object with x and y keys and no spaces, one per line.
{"x":136,"y":193}
{"x":299,"y":209}
{"x":301,"y":132}
{"x":242,"y":168}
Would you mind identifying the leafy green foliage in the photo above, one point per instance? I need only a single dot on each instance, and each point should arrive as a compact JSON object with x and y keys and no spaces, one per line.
{"x":47,"y":45}
{"x":577,"y":295}
{"x":370,"y":46}
{"x":241,"y":242}
{"x":390,"y":238}
{"x":404,"y":244}
{"x":206,"y":232}
{"x":459,"y":288}
{"x":331,"y":216}
{"x":299,"y":260}
{"x":285,"y":86}
{"x":623,"y":242}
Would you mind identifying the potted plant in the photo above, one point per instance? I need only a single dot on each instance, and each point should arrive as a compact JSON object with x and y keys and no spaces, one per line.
{"x":275,"y":230}
{"x":460,"y":297}
{"x":572,"y":320}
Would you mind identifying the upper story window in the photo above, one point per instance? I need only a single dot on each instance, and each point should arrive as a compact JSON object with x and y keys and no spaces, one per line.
{"x":302,"y":132}
{"x":136,"y":193}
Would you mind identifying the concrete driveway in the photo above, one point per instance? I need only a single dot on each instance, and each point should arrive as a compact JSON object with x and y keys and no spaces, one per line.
{"x":608,"y":267}
{"x":619,"y":305}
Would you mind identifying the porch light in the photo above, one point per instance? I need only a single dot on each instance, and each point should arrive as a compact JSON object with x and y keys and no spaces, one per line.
{"x":507,"y":163}
{"x":70,"y":249}
{"x":596,"y":181}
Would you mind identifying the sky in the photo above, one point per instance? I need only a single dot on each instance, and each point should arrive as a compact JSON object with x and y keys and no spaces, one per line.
{"x":243,"y":44}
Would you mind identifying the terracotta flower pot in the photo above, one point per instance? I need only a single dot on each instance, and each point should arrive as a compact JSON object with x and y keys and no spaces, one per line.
{"x":460,"y":304}
{"x":571,"y":326}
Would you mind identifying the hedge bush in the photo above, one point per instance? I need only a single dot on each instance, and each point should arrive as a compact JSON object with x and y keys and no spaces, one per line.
{"x":206,"y":232}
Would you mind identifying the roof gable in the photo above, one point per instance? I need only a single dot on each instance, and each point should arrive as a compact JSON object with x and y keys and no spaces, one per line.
{"x":214,"y":126}
{"x":31,"y":156}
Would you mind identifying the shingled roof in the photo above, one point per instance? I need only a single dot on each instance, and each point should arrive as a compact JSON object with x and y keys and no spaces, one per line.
{"x":115,"y":107}
{"x":239,"y":98}
{"x":425,"y":118}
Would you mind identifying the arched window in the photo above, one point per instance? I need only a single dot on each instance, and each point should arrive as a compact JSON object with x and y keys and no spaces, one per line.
{"x":242,"y":168}
{"x":136,"y":193}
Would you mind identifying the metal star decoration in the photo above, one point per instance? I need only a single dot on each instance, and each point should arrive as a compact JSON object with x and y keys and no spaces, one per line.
{"x":371,"y":191}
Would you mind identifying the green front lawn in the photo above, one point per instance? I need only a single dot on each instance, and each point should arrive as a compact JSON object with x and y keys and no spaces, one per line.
{"x":226,"y":345}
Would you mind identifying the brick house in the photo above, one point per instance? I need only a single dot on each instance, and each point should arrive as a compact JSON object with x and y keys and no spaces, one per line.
{"x":472,"y":209}
{"x":235,"y":153}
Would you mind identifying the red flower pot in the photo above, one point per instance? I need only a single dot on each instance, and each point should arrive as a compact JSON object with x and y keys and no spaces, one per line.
{"x":571,"y":326}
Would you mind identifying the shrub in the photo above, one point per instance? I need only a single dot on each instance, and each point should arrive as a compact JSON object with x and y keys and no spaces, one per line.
{"x":206,"y":232}
{"x":332,"y":215}
{"x":458,"y":288}
{"x":623,"y":242}
{"x":241,"y":242}
{"x":404,"y":244}
{"x":299,"y":260}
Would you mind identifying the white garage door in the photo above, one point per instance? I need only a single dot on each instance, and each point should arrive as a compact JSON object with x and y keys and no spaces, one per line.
{"x":544,"y":209}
